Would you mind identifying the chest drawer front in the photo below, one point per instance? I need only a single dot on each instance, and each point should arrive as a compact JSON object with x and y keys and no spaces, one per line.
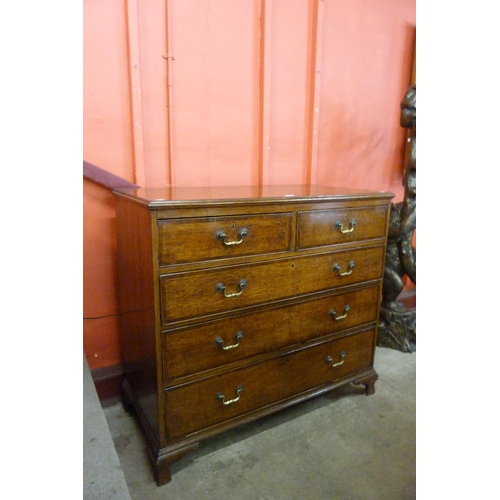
{"x":211,"y":401}
{"x":199,"y":293}
{"x":193,"y":350}
{"x":329,"y":227}
{"x":192,"y":240}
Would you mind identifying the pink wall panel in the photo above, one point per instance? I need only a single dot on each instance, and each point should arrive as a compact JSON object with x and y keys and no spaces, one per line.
{"x":215,"y":91}
{"x":289,"y":91}
{"x":107,"y":140}
{"x":366,"y":69}
{"x":100,"y":298}
{"x":152,"y":46}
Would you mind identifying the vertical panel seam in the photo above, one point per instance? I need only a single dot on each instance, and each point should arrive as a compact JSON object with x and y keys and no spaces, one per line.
{"x":135,"y":92}
{"x":264,"y":91}
{"x":313,"y":90}
{"x":170,"y":121}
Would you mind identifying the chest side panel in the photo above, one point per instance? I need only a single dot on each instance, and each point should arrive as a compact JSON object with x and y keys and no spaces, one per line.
{"x":138,"y":319}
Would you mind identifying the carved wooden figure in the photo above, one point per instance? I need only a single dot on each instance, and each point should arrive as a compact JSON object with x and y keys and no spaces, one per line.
{"x":397,"y":328}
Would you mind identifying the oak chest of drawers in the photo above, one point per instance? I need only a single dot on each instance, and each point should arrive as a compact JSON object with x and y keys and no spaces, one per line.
{"x":238,"y":302}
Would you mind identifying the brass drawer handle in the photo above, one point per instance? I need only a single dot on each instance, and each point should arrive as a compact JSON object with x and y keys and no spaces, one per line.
{"x":221,"y":396}
{"x":340,"y":226}
{"x":337,"y":268}
{"x":220,"y":287}
{"x":219,"y":342}
{"x":221,"y":235}
{"x":333,"y":313}
{"x":329,"y":360}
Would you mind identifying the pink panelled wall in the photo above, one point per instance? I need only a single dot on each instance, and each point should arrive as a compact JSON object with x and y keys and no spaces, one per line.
{"x":215,"y":91}
{"x":226,"y":92}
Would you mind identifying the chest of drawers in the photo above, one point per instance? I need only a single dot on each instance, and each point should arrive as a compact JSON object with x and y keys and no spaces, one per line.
{"x":237,"y":302}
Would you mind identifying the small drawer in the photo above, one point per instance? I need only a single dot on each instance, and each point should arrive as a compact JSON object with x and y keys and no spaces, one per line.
{"x":196,"y":349}
{"x":200,"y":405}
{"x":200,"y":293}
{"x":197,"y":239}
{"x":329,"y":227}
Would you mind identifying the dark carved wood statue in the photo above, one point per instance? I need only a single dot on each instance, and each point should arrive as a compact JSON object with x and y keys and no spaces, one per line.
{"x":397,"y":325}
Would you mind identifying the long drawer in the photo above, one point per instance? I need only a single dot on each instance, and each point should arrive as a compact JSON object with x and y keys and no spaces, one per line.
{"x":199,"y":293}
{"x":198,"y":239}
{"x":211,"y":401}
{"x":328,"y":227}
{"x":199,"y":348}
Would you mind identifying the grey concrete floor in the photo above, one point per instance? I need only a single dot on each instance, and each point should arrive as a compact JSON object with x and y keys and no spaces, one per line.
{"x":341,"y":445}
